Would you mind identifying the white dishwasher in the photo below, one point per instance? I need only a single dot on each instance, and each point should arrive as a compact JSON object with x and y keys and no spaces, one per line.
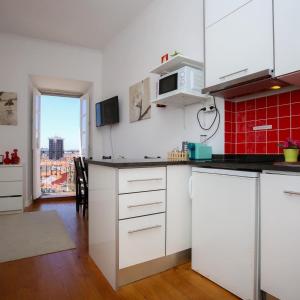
{"x":225,"y":228}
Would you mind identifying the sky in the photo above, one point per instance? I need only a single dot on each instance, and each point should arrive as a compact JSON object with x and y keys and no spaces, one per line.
{"x":60,"y":116}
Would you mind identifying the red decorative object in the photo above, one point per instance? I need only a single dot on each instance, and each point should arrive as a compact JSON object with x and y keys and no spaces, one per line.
{"x":16,"y":158}
{"x":164,"y":58}
{"x":281,"y":111}
{"x":7,"y":160}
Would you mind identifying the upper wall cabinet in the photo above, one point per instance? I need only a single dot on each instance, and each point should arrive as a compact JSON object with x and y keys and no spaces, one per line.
{"x":216,"y":10}
{"x":287,"y":42}
{"x":239,"y":44}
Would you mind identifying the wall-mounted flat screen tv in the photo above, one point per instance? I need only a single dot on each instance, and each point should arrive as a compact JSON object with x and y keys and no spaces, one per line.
{"x":107,"y":112}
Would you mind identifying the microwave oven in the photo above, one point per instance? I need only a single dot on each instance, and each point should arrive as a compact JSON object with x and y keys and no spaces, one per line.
{"x":186,"y":79}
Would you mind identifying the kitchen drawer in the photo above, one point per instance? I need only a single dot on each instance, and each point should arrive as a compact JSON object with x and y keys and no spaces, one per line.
{"x":11,"y":173}
{"x":141,"y":204}
{"x":142,"y":179}
{"x":11,"y":203}
{"x":13,"y":188}
{"x":141,"y":239}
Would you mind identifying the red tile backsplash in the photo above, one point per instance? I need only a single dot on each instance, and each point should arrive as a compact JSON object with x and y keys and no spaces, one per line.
{"x":281,"y":111}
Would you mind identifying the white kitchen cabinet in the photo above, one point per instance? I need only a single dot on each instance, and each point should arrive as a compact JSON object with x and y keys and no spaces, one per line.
{"x":11,"y":188}
{"x":179,"y":209}
{"x":240,"y":44}
{"x":141,"y":239}
{"x":225,"y":229}
{"x":287,"y":42}
{"x":280,"y":243}
{"x":216,"y":10}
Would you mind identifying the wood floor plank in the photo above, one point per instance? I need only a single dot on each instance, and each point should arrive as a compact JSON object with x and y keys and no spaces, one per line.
{"x":72,"y":275}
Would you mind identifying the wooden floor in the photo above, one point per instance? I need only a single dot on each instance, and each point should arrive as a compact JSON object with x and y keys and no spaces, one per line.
{"x":73,"y":275}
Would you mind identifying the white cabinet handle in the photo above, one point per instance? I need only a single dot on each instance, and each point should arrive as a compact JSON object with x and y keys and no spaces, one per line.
{"x":234,"y":73}
{"x":190,"y":187}
{"x":292,"y":193}
{"x":146,"y":179}
{"x":144,"y":204}
{"x":145,"y":228}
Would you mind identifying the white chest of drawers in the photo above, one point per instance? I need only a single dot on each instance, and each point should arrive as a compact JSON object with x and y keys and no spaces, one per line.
{"x":11,"y":188}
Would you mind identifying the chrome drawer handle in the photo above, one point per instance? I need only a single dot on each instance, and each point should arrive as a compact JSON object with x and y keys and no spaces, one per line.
{"x":234,"y":73}
{"x":145,"y":228}
{"x":144,"y":204}
{"x":292,"y":193}
{"x":146,"y":179}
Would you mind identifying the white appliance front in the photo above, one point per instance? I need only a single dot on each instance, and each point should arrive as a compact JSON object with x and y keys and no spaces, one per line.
{"x":225,"y":229}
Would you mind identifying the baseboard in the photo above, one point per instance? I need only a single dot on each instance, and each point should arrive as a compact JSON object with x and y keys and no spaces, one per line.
{"x":149,"y":268}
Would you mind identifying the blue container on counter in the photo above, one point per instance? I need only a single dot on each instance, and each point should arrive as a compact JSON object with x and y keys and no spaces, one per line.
{"x":198,"y":151}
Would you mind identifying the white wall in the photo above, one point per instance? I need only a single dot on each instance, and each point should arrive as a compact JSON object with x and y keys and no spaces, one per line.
{"x":21,"y":57}
{"x":165,"y":26}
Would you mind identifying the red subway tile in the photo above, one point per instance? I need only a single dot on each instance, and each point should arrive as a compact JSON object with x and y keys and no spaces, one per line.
{"x":273,"y":122}
{"x":272,"y":135}
{"x":272,"y":112}
{"x":284,"y":123}
{"x":295,"y":121}
{"x":261,"y":102}
{"x":228,"y":105}
{"x":250,"y":148}
{"x":228,"y":137}
{"x":284,"y":134}
{"x":295,"y":109}
{"x":227,"y":126}
{"x":241,"y":116}
{"x":260,"y":136}
{"x":240,"y":148}
{"x":250,"y":125}
{"x":233,"y":127}
{"x":296,"y":134}
{"x":250,"y":105}
{"x":240,"y":127}
{"x":272,"y":100}
{"x":228,"y":116}
{"x":261,"y":148}
{"x":295,"y":96}
{"x":261,"y":114}
{"x":272,"y":148}
{"x":250,"y":137}
{"x":284,"y":110}
{"x":240,"y":106}
{"x":250,"y":115}
{"x":228,"y":148}
{"x":241,"y":138}
{"x":260,"y":122}
{"x":284,"y":98}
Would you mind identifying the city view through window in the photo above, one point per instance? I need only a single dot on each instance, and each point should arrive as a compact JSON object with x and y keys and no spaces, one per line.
{"x":60,"y":142}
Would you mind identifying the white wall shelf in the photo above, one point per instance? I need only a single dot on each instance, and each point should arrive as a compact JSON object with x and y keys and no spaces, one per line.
{"x":176,"y":63}
{"x":181,"y":99}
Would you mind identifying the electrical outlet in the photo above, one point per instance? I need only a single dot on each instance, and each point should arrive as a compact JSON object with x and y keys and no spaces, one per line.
{"x":210,"y":108}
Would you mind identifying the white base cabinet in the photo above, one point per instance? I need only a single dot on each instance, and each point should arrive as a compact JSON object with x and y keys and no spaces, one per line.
{"x":225,"y":229}
{"x":11,"y":188}
{"x":280,"y":242}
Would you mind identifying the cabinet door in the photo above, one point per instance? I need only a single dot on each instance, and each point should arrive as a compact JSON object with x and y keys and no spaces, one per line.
{"x":179,"y":209}
{"x":240,"y":44}
{"x":287,"y":42}
{"x":215,"y":10}
{"x":224,"y":233}
{"x":280,"y":243}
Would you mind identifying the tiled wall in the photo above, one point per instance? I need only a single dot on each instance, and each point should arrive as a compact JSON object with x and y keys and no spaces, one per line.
{"x":282,"y":111}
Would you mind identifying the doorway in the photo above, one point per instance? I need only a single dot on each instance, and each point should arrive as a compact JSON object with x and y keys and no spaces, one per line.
{"x":60,"y":133}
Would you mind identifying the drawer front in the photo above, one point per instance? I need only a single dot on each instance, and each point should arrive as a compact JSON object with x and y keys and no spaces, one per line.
{"x":13,"y":188}
{"x":11,"y":203}
{"x":142,"y":179}
{"x":11,"y":173}
{"x":141,"y":204}
{"x":141,"y":239}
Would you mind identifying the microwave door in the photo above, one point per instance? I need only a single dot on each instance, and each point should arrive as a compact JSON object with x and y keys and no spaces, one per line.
{"x":168,"y":84}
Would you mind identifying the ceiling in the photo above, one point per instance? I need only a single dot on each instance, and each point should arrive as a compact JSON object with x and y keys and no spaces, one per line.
{"x":87,"y":23}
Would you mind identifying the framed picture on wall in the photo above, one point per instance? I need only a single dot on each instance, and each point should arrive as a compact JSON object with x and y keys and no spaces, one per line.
{"x":8,"y":108}
{"x":139,"y":101}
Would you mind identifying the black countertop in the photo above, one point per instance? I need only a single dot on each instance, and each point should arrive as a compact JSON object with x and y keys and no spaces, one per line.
{"x":255,"y":163}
